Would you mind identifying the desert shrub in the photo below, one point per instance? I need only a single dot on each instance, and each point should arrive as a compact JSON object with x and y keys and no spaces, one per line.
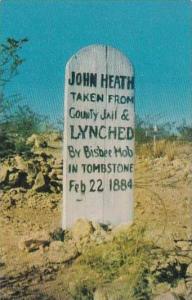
{"x":82,"y":291}
{"x":144,"y":150}
{"x":81,"y":282}
{"x":127,"y":267}
{"x":170,"y":150}
{"x":21,"y":124}
{"x":24,"y":122}
{"x":163,"y":148}
{"x":128,"y":255}
{"x":159,"y":149}
{"x":10,"y":59}
{"x":10,"y":62}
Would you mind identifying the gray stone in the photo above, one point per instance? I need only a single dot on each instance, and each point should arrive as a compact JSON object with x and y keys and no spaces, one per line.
{"x":189,"y":271}
{"x":36,"y":141}
{"x":3,"y":173}
{"x":32,"y":170}
{"x":61,"y":252}
{"x":122,"y":228}
{"x":55,"y":137}
{"x":57,"y":234}
{"x":13,"y":178}
{"x":60,"y":177}
{"x":55,"y":186}
{"x":100,"y":235}
{"x":58,"y":164}
{"x":81,"y":233}
{"x":188,"y":295}
{"x":81,"y":229}
{"x":45,"y":169}
{"x":17,"y":179}
{"x":53,"y":175}
{"x":20,"y":163}
{"x":34,"y":241}
{"x":161,"y":288}
{"x":40,"y":183}
{"x":33,"y":245}
{"x":180,"y":289}
{"x":183,"y":245}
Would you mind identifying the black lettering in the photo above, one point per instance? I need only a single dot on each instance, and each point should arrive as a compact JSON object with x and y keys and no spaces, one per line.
{"x":78,"y":79}
{"x":130,"y":83}
{"x":71,"y":80}
{"x":104,"y":80}
{"x":93,"y":79}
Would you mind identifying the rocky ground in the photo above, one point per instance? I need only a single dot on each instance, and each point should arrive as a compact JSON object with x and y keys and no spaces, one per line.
{"x":152,"y":259}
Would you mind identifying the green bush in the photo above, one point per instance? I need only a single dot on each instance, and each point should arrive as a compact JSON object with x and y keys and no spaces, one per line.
{"x":128,"y":256}
{"x":19,"y":126}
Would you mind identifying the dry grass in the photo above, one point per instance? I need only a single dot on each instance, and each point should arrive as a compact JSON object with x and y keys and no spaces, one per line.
{"x":162,"y":148}
{"x":118,"y":268}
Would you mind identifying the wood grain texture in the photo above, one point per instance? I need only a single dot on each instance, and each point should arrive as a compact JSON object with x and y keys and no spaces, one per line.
{"x":108,"y":207}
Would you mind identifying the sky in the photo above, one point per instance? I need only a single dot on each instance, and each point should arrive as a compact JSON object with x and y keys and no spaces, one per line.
{"x":156,"y":36}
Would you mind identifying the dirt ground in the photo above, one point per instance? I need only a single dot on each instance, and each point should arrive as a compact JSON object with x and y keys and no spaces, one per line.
{"x":163,"y":204}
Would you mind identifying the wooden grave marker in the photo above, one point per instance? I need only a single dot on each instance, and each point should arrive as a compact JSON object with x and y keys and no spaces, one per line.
{"x":98,"y":137}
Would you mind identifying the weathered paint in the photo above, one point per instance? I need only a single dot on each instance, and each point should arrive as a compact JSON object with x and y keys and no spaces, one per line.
{"x":98,"y":137}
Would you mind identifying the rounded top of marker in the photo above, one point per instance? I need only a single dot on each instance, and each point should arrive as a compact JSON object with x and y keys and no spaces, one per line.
{"x":107,"y":50}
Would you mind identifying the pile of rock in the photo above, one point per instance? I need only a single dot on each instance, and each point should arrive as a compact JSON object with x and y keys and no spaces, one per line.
{"x":65,"y":246}
{"x":40,"y":172}
{"x":42,"y":141}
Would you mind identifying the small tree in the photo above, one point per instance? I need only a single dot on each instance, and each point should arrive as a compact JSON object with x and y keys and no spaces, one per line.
{"x":9,"y":64}
{"x":9,"y":59}
{"x":22,"y":124}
